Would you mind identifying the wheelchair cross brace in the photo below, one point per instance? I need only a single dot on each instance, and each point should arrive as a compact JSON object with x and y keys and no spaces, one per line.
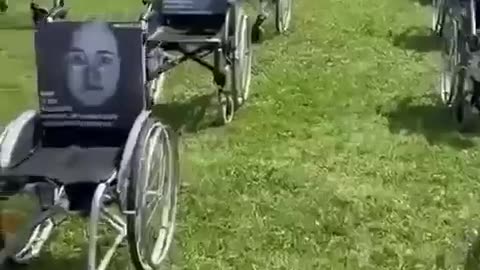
{"x":197,"y":55}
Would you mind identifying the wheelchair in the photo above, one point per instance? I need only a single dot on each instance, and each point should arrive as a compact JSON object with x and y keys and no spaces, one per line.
{"x":283,"y":15}
{"x":40,"y":13}
{"x":460,"y":74}
{"x":93,"y":148}
{"x":193,"y":30}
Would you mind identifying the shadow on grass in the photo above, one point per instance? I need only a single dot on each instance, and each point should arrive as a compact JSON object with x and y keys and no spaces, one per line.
{"x":16,"y":21}
{"x":472,"y":258}
{"x":417,"y":39}
{"x":269,"y":33}
{"x":50,"y":261}
{"x":433,"y":121}
{"x":423,"y":2}
{"x":186,"y":116}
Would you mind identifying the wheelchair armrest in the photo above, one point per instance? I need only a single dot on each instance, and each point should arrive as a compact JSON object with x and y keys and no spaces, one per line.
{"x":18,"y":139}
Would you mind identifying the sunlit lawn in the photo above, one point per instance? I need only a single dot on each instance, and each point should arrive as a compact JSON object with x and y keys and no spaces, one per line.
{"x":342,"y":158}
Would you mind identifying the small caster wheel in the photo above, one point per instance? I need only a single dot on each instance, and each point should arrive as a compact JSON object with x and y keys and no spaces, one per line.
{"x":257,"y":34}
{"x":38,"y":14}
{"x":466,"y":117}
{"x":257,"y":30}
{"x":464,"y":109}
{"x":227,"y":108}
{"x":3,"y":6}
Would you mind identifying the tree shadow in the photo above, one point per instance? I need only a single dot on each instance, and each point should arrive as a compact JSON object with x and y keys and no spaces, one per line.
{"x":433,"y":121}
{"x":418,"y":39}
{"x":186,"y":116}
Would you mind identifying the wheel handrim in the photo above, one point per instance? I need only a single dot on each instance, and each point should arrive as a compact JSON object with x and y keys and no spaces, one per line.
{"x":463,"y":110}
{"x":165,"y":194}
{"x":227,"y":108}
{"x":245,"y":61}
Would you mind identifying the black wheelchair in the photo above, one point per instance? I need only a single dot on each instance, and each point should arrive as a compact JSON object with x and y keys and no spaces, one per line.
{"x":283,"y":14}
{"x":93,"y":148}
{"x":460,"y":73}
{"x":182,"y":30}
{"x":41,"y":13}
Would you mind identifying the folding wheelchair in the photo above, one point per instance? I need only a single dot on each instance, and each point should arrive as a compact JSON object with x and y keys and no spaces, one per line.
{"x":92,"y":148}
{"x":40,"y":13}
{"x":283,"y":14}
{"x":460,"y":74}
{"x":183,"y":30}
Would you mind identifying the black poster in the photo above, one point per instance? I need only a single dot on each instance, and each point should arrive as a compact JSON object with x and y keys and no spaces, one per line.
{"x":90,"y":73}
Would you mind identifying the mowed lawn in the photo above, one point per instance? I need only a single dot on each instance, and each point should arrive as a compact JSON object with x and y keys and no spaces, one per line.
{"x":342,"y":159}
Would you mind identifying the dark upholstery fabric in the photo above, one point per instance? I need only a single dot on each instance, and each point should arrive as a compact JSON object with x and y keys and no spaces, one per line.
{"x":70,"y":164}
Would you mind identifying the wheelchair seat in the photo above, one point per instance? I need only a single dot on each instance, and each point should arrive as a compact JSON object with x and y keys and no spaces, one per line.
{"x":71,"y":164}
{"x":87,"y":106}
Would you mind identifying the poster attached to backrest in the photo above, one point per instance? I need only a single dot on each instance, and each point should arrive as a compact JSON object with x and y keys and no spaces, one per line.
{"x":90,"y":74}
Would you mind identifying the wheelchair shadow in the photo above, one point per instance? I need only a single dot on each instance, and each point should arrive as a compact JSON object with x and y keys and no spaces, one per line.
{"x":433,"y":121}
{"x":47,"y":260}
{"x":418,"y":39}
{"x":78,"y":262}
{"x":186,"y":116}
{"x":472,"y":258}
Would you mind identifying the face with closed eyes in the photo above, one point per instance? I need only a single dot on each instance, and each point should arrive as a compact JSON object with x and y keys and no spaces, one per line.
{"x":93,"y":64}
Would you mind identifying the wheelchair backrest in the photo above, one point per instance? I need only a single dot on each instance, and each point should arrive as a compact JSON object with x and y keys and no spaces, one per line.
{"x":90,"y":75}
{"x":194,"y":7}
{"x":194,"y":15}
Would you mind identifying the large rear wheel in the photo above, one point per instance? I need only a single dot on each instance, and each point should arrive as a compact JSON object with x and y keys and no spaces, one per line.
{"x":152,"y":193}
{"x":283,"y":15}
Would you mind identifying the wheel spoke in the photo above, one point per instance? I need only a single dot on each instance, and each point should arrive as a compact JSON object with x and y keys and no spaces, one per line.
{"x":155,"y":218}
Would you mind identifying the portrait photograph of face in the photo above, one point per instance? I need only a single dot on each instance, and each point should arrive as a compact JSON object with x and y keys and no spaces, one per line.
{"x":92,"y":64}
{"x":92,"y":68}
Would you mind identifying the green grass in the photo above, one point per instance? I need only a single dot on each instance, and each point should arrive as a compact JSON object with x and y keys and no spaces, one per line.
{"x":342,"y":159}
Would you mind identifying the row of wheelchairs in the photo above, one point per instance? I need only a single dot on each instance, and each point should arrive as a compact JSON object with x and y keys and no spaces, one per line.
{"x":94,"y":147}
{"x":457,"y":25}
